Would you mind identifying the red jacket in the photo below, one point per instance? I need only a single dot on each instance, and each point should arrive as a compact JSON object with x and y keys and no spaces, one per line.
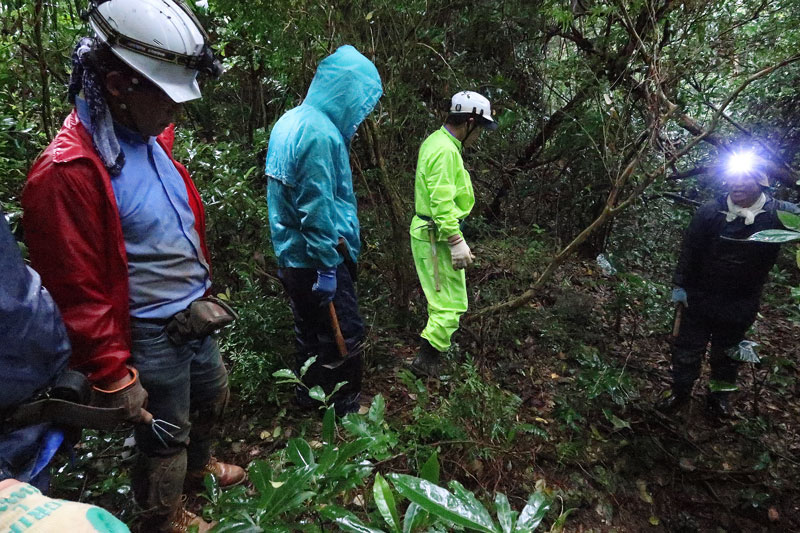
{"x":75,"y":241}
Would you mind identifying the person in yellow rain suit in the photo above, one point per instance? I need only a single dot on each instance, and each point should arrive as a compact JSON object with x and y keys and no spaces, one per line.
{"x":443,"y":197}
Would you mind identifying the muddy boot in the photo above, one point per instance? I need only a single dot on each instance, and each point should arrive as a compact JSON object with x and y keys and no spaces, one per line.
{"x":426,"y":364}
{"x":183,"y":521}
{"x":227,"y":475}
{"x":157,"y":484}
{"x":718,"y":405}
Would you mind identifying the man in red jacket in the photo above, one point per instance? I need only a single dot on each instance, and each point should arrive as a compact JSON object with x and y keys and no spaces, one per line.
{"x":117,"y":230}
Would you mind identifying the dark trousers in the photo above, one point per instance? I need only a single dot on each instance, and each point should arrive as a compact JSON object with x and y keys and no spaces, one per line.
{"x":314,"y":334}
{"x":188,"y":387}
{"x":689,"y":347}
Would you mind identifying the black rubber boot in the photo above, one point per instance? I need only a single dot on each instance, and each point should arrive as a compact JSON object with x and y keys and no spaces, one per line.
{"x":426,"y":364}
{"x":679,"y":396}
{"x":718,"y":405}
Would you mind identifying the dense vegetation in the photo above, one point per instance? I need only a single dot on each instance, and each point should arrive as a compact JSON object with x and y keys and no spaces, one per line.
{"x":613,"y":117}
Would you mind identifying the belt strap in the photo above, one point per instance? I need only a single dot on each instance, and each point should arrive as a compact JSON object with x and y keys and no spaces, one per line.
{"x":64,"y":413}
{"x":432,"y":224}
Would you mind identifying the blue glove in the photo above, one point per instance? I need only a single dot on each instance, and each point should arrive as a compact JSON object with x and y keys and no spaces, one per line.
{"x":679,"y":296}
{"x":325,"y":287}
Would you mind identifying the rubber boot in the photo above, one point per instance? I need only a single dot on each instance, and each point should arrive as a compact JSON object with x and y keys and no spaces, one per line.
{"x":426,"y":364}
{"x":718,"y":405}
{"x":678,"y":397}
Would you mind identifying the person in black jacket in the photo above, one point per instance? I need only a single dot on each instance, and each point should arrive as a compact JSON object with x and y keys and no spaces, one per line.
{"x":719,"y":279}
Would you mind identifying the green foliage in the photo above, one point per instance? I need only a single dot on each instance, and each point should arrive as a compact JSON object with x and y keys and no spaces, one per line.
{"x":596,"y":378}
{"x":304,"y":480}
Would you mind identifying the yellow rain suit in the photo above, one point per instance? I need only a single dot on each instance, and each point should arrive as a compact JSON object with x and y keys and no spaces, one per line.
{"x":443,"y":197}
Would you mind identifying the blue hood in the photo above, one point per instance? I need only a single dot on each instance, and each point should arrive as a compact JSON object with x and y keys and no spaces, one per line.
{"x":345,"y":88}
{"x":310,"y":191}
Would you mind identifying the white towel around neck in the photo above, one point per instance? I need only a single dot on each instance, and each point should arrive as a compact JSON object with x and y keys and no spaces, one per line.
{"x":748,"y":213}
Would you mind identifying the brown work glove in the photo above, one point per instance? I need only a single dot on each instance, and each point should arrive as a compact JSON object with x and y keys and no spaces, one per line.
{"x":127,"y":394}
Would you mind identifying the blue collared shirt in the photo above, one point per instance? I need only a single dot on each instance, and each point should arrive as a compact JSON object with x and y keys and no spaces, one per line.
{"x":166,"y":266}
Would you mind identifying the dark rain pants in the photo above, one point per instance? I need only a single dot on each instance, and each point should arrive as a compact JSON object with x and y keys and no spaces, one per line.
{"x":689,"y":347}
{"x":314,"y":336}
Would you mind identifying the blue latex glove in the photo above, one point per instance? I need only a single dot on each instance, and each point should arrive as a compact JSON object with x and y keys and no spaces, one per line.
{"x":325,"y":287}
{"x":679,"y":296}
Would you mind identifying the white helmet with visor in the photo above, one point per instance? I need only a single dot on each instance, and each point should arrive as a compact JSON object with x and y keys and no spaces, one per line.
{"x":160,"y":39}
{"x":472,"y":103}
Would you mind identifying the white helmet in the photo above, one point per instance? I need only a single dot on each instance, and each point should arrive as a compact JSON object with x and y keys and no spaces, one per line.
{"x":472,"y":103}
{"x":160,"y":39}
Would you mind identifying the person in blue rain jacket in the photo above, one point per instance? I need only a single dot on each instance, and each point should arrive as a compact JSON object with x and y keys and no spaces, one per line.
{"x":314,"y":221}
{"x":34,"y":349}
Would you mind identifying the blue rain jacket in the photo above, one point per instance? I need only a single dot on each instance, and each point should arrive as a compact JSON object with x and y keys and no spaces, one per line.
{"x":34,"y":349}
{"x":310,"y":187}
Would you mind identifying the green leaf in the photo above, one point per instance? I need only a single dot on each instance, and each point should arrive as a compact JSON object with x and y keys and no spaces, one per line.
{"x":284,"y":373}
{"x":721,"y":386}
{"x":377,"y":409}
{"x":533,"y":513}
{"x":212,"y":488}
{"x":289,"y":493}
{"x":414,"y":518}
{"x":442,"y":503}
{"x":351,"y":449}
{"x":310,"y":361}
{"x":300,"y":452}
{"x":505,"y":515}
{"x":336,"y":388}
{"x":789,"y":220}
{"x":430,"y":470}
{"x":774,"y":236}
{"x":346,"y":520}
{"x":797,"y":258}
{"x":317,"y":393}
{"x":467,"y":496}
{"x":558,"y":525}
{"x":617,"y":422}
{"x":384,"y":499}
{"x":260,"y":474}
{"x":329,"y":426}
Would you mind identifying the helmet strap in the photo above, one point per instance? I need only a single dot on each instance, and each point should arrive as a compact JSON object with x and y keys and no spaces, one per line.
{"x":471,"y":129}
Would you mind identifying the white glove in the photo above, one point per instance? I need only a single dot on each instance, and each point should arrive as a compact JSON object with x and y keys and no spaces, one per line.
{"x":460,"y":254}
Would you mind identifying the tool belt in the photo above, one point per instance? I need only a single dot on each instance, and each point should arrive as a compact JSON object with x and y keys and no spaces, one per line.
{"x":203,"y":317}
{"x":64,"y":404}
{"x":432,"y":225}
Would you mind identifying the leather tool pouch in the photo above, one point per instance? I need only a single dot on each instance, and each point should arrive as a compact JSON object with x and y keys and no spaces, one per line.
{"x":202,"y":318}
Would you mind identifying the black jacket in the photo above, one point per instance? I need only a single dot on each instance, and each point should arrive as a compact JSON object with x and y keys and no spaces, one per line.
{"x":724,"y":275}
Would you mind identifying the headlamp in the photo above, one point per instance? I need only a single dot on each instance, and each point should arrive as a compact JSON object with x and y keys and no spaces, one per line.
{"x":740,"y":163}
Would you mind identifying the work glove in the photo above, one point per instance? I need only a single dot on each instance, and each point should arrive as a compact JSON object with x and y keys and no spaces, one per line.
{"x":129,"y":395}
{"x":679,"y":296}
{"x":460,"y":254}
{"x":325,"y":286}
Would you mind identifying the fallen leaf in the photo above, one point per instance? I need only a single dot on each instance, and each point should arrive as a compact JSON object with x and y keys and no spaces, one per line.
{"x":643,"y":494}
{"x":773,"y":514}
{"x":687,"y":464}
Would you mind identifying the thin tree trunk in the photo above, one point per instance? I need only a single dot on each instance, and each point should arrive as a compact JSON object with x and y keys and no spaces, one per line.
{"x":46,"y":109}
{"x":403,"y":275}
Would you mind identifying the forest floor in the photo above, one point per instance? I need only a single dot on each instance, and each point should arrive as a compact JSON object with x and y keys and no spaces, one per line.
{"x":583,"y":376}
{"x":622,"y":466}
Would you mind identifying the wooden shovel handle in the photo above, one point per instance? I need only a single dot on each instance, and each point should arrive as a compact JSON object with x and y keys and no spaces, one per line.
{"x":678,"y":317}
{"x":337,"y":331}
